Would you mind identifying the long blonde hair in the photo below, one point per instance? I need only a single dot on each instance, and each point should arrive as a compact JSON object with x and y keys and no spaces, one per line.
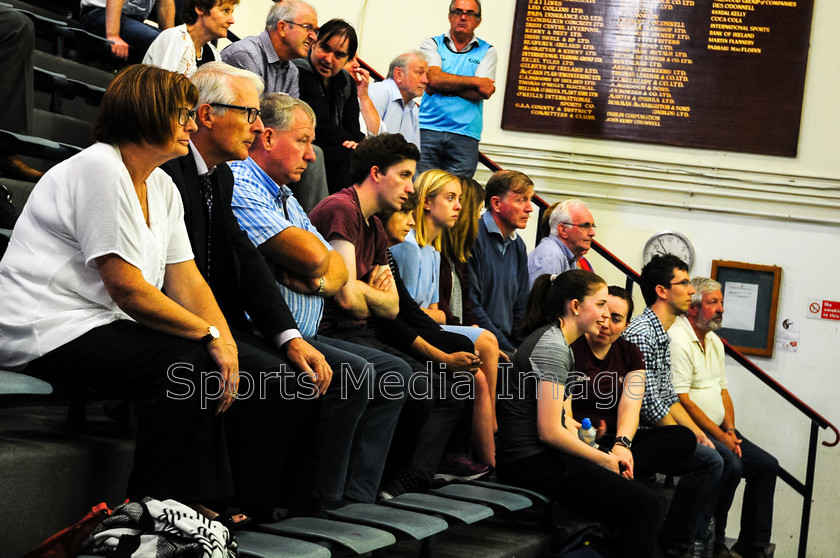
{"x":457,"y":243}
{"x":427,"y":185}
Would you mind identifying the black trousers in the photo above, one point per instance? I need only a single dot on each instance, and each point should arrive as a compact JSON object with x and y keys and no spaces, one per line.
{"x":17,"y":40}
{"x":631,"y":510}
{"x":184,"y":450}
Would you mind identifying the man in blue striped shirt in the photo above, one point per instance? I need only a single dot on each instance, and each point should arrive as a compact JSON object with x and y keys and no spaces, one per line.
{"x":308,"y":270}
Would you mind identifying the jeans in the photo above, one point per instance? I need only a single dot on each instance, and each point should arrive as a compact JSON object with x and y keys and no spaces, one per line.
{"x":425,"y":423}
{"x":454,"y":153}
{"x":357,"y":420}
{"x":137,"y":34}
{"x":759,"y":469}
{"x":694,"y":498}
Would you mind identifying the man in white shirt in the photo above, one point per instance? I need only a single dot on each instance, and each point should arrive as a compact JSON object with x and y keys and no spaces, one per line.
{"x":697,"y":361}
{"x":395,"y":97}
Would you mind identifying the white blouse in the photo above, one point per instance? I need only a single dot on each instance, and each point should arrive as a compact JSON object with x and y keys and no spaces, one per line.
{"x":174,"y":50}
{"x":83,"y":208}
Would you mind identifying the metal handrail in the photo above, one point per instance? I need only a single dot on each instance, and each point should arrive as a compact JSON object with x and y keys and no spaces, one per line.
{"x":806,"y":489}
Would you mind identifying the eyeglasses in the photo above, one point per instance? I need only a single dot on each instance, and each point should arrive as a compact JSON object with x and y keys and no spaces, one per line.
{"x":457,"y":12}
{"x":584,"y":226}
{"x":253,"y":113}
{"x":683,"y":283}
{"x":185,"y":115}
{"x":308,"y":27}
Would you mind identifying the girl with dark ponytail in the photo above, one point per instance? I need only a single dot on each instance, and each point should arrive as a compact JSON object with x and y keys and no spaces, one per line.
{"x":537,"y":445}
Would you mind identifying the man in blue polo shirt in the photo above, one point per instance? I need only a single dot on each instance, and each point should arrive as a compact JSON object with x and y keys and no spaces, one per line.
{"x":353,"y":442}
{"x":462,"y":72}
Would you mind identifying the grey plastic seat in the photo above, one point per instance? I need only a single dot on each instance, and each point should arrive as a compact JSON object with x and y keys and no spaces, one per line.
{"x":12,"y":383}
{"x":508,"y":501}
{"x":358,"y":538}
{"x":466,"y":512}
{"x":262,"y":545}
{"x":415,"y":525}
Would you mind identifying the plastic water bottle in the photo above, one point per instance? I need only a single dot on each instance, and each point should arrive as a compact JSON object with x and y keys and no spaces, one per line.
{"x":586,"y":432}
{"x":704,"y":546}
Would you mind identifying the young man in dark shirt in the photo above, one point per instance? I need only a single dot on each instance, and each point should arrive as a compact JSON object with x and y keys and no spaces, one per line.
{"x":381,"y":174}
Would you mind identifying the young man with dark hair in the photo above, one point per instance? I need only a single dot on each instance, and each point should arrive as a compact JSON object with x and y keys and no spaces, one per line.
{"x":667,"y":290}
{"x":382,"y":169}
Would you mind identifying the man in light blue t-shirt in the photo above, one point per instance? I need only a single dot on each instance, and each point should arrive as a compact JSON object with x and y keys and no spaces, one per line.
{"x":462,"y":72}
{"x":395,"y":98}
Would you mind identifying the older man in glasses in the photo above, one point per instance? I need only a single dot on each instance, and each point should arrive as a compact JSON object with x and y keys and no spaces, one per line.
{"x":462,"y":74}
{"x":571,"y":230}
{"x":228,"y":120}
{"x":291,"y":28}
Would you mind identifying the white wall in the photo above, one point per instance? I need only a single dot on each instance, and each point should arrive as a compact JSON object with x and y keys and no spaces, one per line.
{"x":751,"y":208}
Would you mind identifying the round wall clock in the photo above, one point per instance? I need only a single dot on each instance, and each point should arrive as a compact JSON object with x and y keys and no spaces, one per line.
{"x":669,"y":242}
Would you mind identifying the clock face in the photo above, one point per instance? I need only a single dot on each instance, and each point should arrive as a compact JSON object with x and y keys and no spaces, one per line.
{"x":669,"y":242}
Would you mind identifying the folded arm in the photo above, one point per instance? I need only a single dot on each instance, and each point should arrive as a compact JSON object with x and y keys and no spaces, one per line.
{"x":377,"y":297}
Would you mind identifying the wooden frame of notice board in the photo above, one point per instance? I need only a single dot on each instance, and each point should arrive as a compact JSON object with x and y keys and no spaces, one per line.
{"x":751,"y":300}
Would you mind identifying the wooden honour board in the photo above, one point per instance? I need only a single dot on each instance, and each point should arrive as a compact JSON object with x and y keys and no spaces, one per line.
{"x":713,"y":74}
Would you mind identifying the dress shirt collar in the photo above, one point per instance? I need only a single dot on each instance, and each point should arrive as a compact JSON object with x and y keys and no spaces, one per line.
{"x":493,"y":228}
{"x":200,"y":165}
{"x":565,"y":249}
{"x":655,"y":323}
{"x":394,"y":94}
{"x":682,"y":323}
{"x":270,"y":54}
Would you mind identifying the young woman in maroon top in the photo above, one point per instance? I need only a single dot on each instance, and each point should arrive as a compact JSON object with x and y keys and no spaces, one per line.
{"x":609,"y":389}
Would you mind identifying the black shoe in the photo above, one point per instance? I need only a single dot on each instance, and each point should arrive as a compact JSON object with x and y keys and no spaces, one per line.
{"x":743,"y":551}
{"x":406,"y":482}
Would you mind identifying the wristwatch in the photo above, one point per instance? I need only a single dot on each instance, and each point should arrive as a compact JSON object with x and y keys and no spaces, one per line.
{"x":623,"y":441}
{"x":212,"y":335}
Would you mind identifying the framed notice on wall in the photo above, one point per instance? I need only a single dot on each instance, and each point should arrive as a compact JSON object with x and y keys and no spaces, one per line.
{"x":715,"y":74}
{"x":750,"y":303}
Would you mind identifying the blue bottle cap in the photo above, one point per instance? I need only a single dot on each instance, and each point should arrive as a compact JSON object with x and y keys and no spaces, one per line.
{"x":586,"y":424}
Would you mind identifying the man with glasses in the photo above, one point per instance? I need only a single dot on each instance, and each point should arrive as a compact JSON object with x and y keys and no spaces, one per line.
{"x":571,"y":230}
{"x":462,"y":72}
{"x":227,"y":117}
{"x":667,"y":290}
{"x":291,"y":28}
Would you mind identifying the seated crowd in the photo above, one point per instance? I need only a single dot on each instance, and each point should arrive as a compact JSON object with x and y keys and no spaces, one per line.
{"x":250,"y":255}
